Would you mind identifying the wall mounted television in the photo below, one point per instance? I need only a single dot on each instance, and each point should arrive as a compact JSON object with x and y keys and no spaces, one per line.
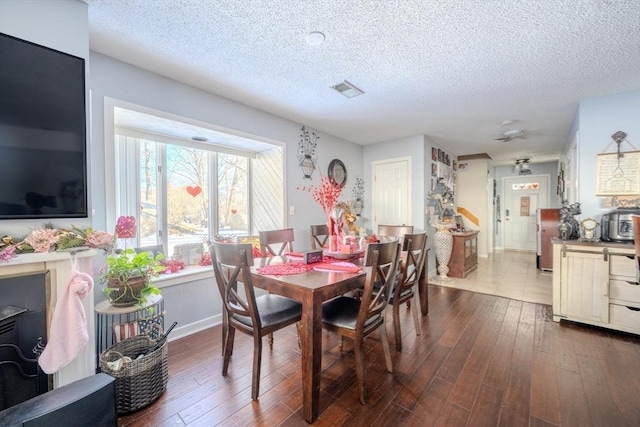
{"x":43,"y":143}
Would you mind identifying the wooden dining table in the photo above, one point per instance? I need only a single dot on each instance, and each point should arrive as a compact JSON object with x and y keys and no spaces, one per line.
{"x":311,"y":289}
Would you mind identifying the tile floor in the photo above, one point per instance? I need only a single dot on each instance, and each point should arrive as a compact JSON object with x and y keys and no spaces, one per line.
{"x":510,"y":274}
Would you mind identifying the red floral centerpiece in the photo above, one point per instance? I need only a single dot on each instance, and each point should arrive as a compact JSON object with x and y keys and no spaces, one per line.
{"x":326,"y":195}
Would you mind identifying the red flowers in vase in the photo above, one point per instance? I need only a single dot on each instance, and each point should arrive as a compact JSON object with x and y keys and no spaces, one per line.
{"x":326,"y":195}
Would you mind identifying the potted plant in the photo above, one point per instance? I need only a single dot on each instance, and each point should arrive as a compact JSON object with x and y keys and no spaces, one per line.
{"x":126,"y":277}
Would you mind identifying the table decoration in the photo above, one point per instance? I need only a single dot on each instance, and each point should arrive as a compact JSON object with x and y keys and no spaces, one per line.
{"x":340,"y":266}
{"x":284,"y":269}
{"x":326,"y":195}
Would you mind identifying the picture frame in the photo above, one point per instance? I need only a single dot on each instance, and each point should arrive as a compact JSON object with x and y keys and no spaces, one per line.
{"x":434,"y":154}
{"x":434,"y":169}
{"x":459,"y":222}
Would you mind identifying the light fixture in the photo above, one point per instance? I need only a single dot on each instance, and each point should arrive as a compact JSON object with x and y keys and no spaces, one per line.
{"x":522,"y":166}
{"x":358,"y":196}
{"x":347,"y":89}
{"x":307,"y":152}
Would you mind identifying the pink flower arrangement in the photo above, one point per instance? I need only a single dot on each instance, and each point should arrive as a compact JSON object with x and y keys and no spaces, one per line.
{"x":8,"y":253}
{"x":126,"y":227}
{"x":99,"y":239}
{"x":205,"y":259}
{"x":326,"y":195}
{"x":172,"y":266}
{"x":42,"y":240}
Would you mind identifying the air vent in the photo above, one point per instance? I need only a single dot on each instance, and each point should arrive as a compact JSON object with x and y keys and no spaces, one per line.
{"x":347,"y":89}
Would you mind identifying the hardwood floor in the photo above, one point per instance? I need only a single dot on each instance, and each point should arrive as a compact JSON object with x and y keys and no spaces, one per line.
{"x":482,"y":360}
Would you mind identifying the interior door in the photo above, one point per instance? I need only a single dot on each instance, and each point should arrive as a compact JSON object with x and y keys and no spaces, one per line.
{"x":391,"y":189}
{"x":523,"y":196}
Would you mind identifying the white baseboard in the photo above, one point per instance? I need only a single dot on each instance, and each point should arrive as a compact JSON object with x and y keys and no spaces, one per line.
{"x":192,"y":328}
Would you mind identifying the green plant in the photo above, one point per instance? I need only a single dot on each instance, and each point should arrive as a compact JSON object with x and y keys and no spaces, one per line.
{"x":126,"y":276}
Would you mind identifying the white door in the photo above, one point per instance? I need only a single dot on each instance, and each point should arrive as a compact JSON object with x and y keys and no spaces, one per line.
{"x":523,"y":195}
{"x":391,"y":190}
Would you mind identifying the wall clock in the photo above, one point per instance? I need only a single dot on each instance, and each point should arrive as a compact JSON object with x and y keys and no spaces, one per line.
{"x":337,"y":172}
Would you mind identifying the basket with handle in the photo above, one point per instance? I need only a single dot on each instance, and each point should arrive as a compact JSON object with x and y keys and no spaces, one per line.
{"x":139,"y":381}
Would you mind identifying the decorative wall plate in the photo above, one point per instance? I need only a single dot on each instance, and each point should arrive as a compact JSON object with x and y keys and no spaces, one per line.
{"x":337,"y":172}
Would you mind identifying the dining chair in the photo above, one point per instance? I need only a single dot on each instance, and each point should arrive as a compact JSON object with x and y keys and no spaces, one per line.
{"x":394,"y":230}
{"x":356,"y":318}
{"x":269,"y":241}
{"x":319,"y":236}
{"x":414,"y":246}
{"x":243,"y":311}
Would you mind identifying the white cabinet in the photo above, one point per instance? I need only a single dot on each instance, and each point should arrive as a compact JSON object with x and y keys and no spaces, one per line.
{"x":596,"y":283}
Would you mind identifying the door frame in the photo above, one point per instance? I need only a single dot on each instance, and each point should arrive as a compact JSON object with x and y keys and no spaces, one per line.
{"x":374,"y":188}
{"x":503,"y":203}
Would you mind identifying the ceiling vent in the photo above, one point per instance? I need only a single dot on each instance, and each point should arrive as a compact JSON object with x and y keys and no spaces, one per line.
{"x":347,"y":89}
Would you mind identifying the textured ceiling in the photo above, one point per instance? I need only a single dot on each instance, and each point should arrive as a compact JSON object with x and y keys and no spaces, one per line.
{"x":451,"y":70}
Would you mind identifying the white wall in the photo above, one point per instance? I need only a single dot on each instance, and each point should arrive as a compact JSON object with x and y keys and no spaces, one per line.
{"x":598,"y":119}
{"x":473,"y":194}
{"x":114,"y":79}
{"x":414,"y":147}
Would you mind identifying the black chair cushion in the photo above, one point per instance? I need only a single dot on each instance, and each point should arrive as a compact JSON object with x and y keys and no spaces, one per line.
{"x":274,"y":309}
{"x":343,"y":312}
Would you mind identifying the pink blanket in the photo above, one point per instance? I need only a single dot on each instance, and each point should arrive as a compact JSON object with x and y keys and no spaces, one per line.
{"x":68,"y":334}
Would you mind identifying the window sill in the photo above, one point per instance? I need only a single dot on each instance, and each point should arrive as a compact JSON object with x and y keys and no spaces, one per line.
{"x":190,"y":273}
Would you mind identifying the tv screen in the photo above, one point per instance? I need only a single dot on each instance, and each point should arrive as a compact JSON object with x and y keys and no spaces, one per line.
{"x":43,"y":162}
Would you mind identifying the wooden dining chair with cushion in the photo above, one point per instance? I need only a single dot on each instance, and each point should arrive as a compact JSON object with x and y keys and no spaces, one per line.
{"x":276,"y":242}
{"x":243,"y":311}
{"x":319,"y":236}
{"x":356,"y":318}
{"x":406,"y":287}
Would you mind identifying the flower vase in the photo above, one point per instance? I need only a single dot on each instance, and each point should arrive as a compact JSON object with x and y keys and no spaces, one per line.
{"x":443,"y":245}
{"x":333,"y":237}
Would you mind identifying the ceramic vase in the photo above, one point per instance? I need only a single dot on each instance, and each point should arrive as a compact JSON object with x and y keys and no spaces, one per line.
{"x":443,"y":244}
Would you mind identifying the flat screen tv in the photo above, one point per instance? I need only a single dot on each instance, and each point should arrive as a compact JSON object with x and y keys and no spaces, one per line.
{"x":43,"y":151}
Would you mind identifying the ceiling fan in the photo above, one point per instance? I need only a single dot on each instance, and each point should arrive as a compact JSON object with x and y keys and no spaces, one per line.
{"x":511,"y":135}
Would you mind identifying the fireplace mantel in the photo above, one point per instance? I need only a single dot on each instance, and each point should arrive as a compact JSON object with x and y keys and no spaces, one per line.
{"x":60,"y":266}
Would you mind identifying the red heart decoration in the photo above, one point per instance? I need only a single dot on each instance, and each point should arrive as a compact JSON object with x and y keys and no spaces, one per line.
{"x":234,"y":211}
{"x":194,"y":191}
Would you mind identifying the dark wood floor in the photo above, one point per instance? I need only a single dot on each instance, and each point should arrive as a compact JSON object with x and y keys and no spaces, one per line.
{"x":481,"y":360}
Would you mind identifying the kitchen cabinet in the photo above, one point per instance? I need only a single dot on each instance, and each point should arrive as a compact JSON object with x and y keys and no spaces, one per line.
{"x":596,"y":284}
{"x":464,"y":255}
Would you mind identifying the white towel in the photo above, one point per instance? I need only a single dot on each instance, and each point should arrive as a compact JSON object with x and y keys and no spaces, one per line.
{"x":68,"y":334}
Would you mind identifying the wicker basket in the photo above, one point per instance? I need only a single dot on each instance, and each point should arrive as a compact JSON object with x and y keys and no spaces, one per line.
{"x":141,"y":381}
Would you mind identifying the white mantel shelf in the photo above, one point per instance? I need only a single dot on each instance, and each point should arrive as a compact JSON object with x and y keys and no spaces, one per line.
{"x":61,"y":265}
{"x":48,"y":257}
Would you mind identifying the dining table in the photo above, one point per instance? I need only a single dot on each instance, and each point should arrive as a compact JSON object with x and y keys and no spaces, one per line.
{"x":311,"y":287}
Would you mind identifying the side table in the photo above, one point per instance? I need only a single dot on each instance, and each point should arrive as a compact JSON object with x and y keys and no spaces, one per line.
{"x":107,"y":316}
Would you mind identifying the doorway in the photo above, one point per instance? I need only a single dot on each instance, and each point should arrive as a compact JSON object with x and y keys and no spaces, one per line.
{"x":391,"y":190}
{"x":523,"y":195}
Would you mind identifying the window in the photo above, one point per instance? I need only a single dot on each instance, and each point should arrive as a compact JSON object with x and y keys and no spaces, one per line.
{"x":183,"y":191}
{"x":173,"y":188}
